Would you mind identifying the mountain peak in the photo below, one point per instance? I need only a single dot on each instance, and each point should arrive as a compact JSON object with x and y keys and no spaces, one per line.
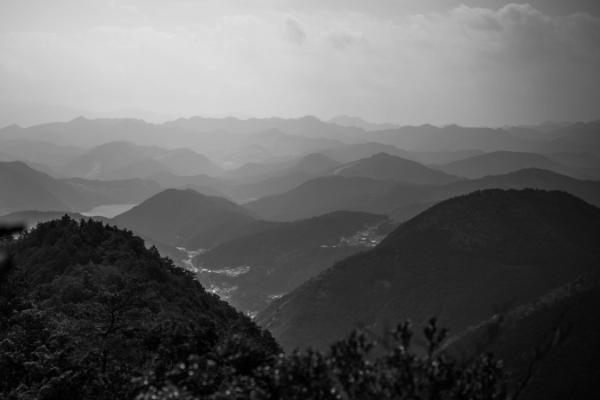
{"x":184,"y":217}
{"x":385,"y":156}
{"x":484,"y":219}
{"x":384,"y":166}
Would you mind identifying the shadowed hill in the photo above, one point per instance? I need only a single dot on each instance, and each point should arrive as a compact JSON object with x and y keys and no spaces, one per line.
{"x":456,"y":260}
{"x":30,"y":189}
{"x":186,"y":218}
{"x":34,"y":190}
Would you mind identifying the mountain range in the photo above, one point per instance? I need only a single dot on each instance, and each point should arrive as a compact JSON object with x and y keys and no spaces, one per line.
{"x":234,"y":142}
{"x":402,"y":201}
{"x":502,"y":162}
{"x":457,"y":261}
{"x":124,"y":160}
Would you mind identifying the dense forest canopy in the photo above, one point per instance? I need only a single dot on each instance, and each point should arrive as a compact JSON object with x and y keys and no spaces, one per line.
{"x":87,"y":308}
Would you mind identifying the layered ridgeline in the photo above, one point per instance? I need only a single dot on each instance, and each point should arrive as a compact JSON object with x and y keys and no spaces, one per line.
{"x":588,"y":190}
{"x":34,"y":190}
{"x":124,"y":160}
{"x":402,"y":201}
{"x":86,"y":308}
{"x":458,"y":260}
{"x":201,"y":133}
{"x":253,"y":270}
{"x":502,"y":162}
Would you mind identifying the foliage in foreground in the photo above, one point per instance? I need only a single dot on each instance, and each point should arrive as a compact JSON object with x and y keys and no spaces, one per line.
{"x":355,"y":368}
{"x":85,"y":308}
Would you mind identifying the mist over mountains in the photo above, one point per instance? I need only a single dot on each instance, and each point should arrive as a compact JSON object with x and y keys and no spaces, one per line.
{"x":312,"y":229}
{"x":300,"y":199}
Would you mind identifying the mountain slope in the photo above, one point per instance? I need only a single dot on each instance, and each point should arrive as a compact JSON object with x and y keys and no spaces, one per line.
{"x":563,"y":324}
{"x":458,"y":260}
{"x":87,"y":308}
{"x":383,"y":166}
{"x":252,"y":270}
{"x":34,"y":190}
{"x":320,"y":196}
{"x":186,"y":218}
{"x":42,"y":152}
{"x":29,"y":189}
{"x":186,"y":162}
{"x":313,"y":164}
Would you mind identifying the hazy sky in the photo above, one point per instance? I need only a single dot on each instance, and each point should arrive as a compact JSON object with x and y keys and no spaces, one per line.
{"x":486,"y":62}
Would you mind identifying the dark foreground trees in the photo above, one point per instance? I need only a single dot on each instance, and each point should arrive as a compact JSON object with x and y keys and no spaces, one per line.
{"x":358,"y":367}
{"x":86,"y":311}
{"x":86,"y":308}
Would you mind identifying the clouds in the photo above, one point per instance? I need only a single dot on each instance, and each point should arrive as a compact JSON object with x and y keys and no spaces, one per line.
{"x":469,"y":65}
{"x":294,"y":31}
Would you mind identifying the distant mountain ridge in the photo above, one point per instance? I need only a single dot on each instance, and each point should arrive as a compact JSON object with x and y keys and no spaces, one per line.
{"x":575,"y":137}
{"x":125,"y":160}
{"x":213,"y":136}
{"x":181,"y":132}
{"x":356,"y":122}
{"x":403,"y":201}
{"x":502,"y":162}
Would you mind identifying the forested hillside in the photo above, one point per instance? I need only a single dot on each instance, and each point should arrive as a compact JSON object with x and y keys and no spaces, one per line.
{"x":86,"y":308}
{"x":458,"y":260}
